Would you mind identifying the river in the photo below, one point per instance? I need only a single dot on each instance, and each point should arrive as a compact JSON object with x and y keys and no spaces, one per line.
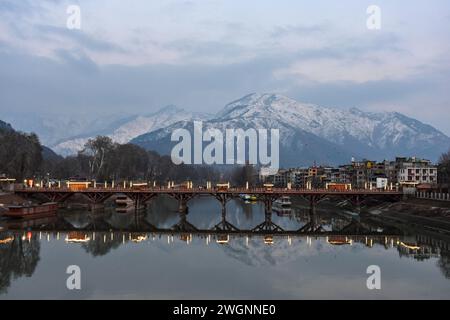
{"x":137,"y":256}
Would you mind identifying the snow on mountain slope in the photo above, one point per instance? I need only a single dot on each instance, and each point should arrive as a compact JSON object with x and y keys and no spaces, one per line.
{"x":132,"y":128}
{"x":374,"y":134}
{"x":309,"y":132}
{"x":296,"y":146}
{"x":377,"y":130}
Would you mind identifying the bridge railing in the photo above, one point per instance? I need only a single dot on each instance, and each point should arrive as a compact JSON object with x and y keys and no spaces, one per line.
{"x":433,"y":196}
{"x":241,"y":190}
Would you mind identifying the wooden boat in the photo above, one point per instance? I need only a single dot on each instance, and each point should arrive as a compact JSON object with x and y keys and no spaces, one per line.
{"x":31,"y":211}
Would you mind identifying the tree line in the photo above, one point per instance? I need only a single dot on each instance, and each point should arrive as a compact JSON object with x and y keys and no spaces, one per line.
{"x":22,"y":157}
{"x":20,"y":153}
{"x":103,"y":160}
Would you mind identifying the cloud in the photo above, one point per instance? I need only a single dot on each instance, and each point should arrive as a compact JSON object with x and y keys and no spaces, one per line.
{"x":202,"y":54}
{"x":309,"y":30}
{"x":78,"y":38}
{"x":77,"y":59}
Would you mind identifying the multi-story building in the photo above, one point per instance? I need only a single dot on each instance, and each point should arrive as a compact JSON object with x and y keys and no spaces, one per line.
{"x":334,"y":175}
{"x":281,"y":178}
{"x":360,"y":174}
{"x":414,"y":171}
{"x":345,"y":174}
{"x":298,"y":177}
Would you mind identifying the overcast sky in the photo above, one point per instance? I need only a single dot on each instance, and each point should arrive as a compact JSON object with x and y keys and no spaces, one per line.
{"x":137,"y":56}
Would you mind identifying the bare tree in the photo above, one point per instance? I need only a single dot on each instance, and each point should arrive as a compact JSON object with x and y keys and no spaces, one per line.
{"x":97,"y":150}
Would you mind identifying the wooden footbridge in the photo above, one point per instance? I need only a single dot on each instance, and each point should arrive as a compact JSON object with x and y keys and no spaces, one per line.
{"x":266,"y":195}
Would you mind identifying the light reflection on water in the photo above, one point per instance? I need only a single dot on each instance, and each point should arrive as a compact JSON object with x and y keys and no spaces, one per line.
{"x":122,"y":255}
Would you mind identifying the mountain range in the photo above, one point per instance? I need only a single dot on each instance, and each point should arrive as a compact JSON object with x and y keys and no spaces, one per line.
{"x":308,"y":133}
{"x":311,"y":133}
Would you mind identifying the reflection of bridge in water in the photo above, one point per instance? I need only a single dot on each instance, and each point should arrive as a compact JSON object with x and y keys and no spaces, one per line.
{"x":142,"y":230}
{"x":313,"y":226}
{"x":84,"y":236}
{"x":99,"y":232}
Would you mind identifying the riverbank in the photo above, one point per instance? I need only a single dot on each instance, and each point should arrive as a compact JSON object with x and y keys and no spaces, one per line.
{"x":431,"y":215}
{"x":417,"y":207}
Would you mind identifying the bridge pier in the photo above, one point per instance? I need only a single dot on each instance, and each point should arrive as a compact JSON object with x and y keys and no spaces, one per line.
{"x":182,"y":199}
{"x":356,"y":201}
{"x":312,"y":207}
{"x":139,"y":199}
{"x":313,"y":200}
{"x":182,"y":206}
{"x":183,"y":224}
{"x":224,"y":225}
{"x":268,"y":225}
{"x":358,"y":204}
{"x":268,"y":206}
{"x":313,"y":224}
{"x":96,"y":199}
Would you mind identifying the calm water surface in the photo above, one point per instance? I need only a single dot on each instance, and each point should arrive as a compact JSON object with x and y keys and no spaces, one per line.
{"x":122,"y":256}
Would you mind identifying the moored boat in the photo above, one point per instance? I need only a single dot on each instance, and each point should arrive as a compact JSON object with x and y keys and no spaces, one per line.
{"x":284,"y":202}
{"x":31,"y":211}
{"x":248,"y":197}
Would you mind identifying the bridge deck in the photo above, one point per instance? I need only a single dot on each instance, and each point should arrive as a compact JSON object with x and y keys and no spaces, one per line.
{"x":204,"y":191}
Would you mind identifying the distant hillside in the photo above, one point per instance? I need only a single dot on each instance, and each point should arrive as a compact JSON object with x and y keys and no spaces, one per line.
{"x":21,"y":154}
{"x":5,"y":126}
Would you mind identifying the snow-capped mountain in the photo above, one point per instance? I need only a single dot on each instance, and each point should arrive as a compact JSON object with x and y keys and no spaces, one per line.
{"x":312,"y":133}
{"x":131,"y":128}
